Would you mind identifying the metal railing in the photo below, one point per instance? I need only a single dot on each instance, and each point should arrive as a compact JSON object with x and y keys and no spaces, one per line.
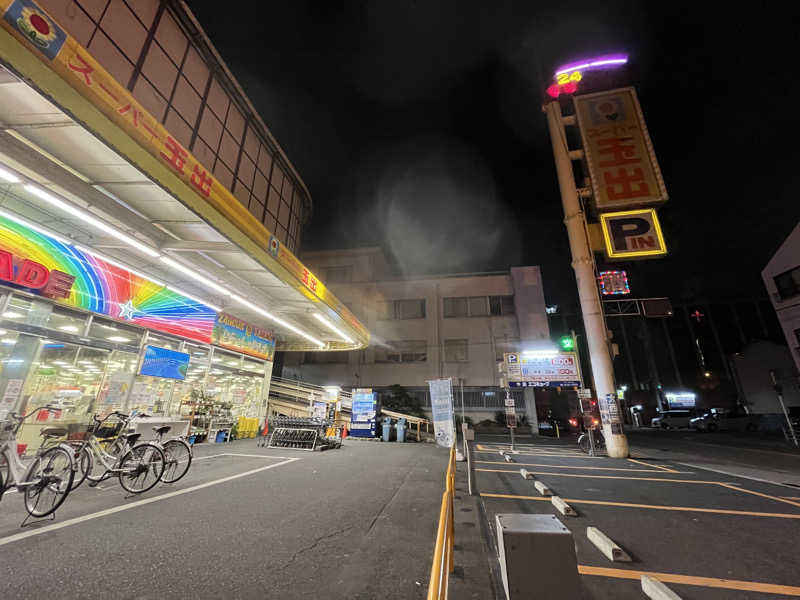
{"x":443,"y":552}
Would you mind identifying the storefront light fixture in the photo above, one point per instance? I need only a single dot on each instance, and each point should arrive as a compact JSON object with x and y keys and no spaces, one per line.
{"x":118,"y":338}
{"x":333,"y":328}
{"x":10,"y":314}
{"x":93,"y":221}
{"x":69,"y":328}
{"x":8,"y":341}
{"x":278,"y":320}
{"x":9,"y":176}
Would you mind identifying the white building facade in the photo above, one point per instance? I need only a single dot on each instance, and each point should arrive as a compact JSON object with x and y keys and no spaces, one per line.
{"x":782,"y":279}
{"x":428,"y":327}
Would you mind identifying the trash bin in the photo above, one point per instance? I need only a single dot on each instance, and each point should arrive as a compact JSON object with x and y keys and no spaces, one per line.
{"x":401,"y":430}
{"x":387,"y":428}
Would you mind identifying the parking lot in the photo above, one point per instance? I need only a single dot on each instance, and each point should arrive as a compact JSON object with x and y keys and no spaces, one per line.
{"x":705,"y":534}
{"x":246,"y":522}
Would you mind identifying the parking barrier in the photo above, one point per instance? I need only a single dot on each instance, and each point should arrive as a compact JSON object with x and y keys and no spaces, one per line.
{"x":443,"y":551}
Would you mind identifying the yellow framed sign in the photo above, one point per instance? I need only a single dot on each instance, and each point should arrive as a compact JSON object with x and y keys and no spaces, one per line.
{"x":632,"y":234}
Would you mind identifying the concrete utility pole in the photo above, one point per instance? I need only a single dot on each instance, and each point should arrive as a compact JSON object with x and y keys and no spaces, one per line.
{"x":582,"y":263}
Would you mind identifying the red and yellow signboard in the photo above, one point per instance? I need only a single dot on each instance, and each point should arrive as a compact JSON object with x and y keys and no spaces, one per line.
{"x":632,"y":234}
{"x":618,"y":151}
{"x":72,"y":62}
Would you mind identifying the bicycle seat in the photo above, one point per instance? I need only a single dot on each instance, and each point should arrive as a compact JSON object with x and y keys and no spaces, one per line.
{"x":49,"y":432}
{"x":161,"y":430}
{"x":133,"y":438}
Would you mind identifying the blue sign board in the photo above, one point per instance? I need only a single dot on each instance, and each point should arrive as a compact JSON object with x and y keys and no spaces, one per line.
{"x":564,"y":383}
{"x":160,"y":362}
{"x":363,"y":420}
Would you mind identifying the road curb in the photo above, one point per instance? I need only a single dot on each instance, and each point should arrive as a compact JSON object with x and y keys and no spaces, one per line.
{"x":543,"y":489}
{"x":606,"y":545}
{"x":655,"y":590}
{"x":562,"y":507}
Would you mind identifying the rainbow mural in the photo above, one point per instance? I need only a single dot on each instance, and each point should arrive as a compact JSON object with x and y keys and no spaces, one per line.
{"x":104,"y":288}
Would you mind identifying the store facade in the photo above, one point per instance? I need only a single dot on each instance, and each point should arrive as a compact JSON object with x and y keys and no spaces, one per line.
{"x":140,"y":271}
{"x":86,"y":336}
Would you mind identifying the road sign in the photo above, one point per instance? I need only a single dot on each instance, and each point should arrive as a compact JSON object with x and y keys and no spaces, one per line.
{"x":632,"y":234}
{"x":509,"y":402}
{"x":559,"y":370}
{"x":585,"y":393}
{"x":511,"y":410}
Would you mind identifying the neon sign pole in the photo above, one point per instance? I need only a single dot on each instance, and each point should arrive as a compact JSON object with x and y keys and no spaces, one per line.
{"x":582,"y":259}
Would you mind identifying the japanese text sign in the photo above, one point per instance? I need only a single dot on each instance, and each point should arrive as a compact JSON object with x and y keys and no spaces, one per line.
{"x":632,"y":234}
{"x":618,"y":151}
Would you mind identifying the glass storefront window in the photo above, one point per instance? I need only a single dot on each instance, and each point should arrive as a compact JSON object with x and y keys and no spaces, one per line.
{"x":115,"y":332}
{"x":195,"y":378}
{"x":154,"y":339}
{"x":117,"y":384}
{"x":66,"y":321}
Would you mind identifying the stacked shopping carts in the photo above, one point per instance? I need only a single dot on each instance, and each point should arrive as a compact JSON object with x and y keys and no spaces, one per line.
{"x":303,"y":433}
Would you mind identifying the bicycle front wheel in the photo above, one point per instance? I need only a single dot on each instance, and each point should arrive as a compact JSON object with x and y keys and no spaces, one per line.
{"x":48,"y":481}
{"x":98,"y":467}
{"x":178,"y":456}
{"x":141,"y":468}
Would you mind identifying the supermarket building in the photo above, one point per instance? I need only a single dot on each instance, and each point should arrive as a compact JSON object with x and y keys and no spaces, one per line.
{"x":148,"y":221}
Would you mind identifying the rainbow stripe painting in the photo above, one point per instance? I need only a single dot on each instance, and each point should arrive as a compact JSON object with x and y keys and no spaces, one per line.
{"x":103,"y":288}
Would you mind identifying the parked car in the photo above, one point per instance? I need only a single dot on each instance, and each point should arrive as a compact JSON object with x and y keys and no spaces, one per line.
{"x":722,"y":419}
{"x":672,"y":419}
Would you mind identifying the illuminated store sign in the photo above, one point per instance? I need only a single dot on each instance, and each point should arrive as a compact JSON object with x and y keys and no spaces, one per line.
{"x":97,"y":285}
{"x":613,"y":283}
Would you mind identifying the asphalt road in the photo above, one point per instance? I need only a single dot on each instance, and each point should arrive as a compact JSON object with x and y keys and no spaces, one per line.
{"x":246,"y":522}
{"x":687,"y":523}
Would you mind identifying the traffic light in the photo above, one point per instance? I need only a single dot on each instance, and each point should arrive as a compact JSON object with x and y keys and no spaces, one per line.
{"x":566,"y":343}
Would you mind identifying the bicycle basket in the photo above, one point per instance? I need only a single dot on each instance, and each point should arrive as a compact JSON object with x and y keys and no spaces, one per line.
{"x":108,"y":428}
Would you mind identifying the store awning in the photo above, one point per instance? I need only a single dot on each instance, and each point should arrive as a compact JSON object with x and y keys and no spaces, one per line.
{"x":75,"y":173}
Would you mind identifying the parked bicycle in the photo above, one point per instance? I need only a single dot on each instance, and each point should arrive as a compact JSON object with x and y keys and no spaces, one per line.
{"x":585,"y":442}
{"x":47,"y":480}
{"x":177,"y":453}
{"x":110,"y":451}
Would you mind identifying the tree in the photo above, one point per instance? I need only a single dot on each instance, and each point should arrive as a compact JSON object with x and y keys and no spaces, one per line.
{"x":397,"y":399}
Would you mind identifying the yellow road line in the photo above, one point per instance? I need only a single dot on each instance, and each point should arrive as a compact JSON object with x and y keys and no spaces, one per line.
{"x":564,"y":455}
{"x":500,"y":462}
{"x":720,"y":511}
{"x":791,"y":497}
{"x":613,"y":477}
{"x":746,"y":491}
{"x":638,"y":462}
{"x":712,"y":582}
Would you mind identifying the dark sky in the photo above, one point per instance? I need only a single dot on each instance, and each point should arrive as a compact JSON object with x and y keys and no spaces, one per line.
{"x":418,"y":126}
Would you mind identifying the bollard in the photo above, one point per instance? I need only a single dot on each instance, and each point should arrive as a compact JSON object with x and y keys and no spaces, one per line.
{"x":526,"y":474}
{"x":606,"y":545}
{"x":656,"y":590}
{"x":543,"y":489}
{"x":563,"y":507}
{"x":537,"y":557}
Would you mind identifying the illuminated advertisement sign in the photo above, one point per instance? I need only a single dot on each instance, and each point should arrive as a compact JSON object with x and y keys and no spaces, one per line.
{"x":619,"y":153}
{"x":77,"y":278}
{"x":632,"y":234}
{"x":613,"y":283}
{"x":568,"y":76}
{"x":557,"y":370}
{"x":231,"y":332}
{"x":161,"y":362}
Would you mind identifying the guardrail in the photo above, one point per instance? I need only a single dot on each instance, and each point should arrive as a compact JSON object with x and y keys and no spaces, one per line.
{"x":443,"y":552}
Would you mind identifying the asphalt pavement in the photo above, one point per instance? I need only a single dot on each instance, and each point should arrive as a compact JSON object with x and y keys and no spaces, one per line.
{"x":707,"y":535}
{"x":246,"y":522}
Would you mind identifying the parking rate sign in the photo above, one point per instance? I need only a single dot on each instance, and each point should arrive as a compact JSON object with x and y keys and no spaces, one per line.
{"x":560,"y":370}
{"x":442,"y":411}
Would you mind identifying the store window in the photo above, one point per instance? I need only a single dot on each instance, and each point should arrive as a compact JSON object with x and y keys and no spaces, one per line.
{"x":182,"y":396}
{"x":501,"y":305}
{"x":456,"y":350}
{"x":110,"y":331}
{"x":788,"y":283}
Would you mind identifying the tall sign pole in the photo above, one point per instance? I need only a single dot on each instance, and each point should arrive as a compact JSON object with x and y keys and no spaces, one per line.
{"x":583,"y":265}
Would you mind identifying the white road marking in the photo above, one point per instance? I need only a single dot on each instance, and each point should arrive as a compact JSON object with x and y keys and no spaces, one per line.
{"x":232,"y":454}
{"x":110,"y":511}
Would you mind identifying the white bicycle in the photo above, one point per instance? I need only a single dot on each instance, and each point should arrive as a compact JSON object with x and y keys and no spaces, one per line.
{"x":47,"y":479}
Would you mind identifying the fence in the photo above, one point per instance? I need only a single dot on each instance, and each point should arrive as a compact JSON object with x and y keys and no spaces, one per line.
{"x":443,"y":551}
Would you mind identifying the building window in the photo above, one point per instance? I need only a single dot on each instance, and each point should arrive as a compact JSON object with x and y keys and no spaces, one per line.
{"x":402,"y":309}
{"x":788,"y":283}
{"x":501,"y":305}
{"x":327,"y":358}
{"x":478,"y":306}
{"x":455,"y":307}
{"x":402,"y":352}
{"x":456,"y":350}
{"x":338,"y":274}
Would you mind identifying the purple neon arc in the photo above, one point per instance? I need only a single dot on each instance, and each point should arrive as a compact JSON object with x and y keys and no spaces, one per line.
{"x":593,"y":63}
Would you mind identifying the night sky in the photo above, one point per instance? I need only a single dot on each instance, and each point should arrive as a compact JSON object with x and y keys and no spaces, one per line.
{"x":418,"y":126}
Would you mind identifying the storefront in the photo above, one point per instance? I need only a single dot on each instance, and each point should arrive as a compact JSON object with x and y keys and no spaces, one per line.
{"x":87,"y":337}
